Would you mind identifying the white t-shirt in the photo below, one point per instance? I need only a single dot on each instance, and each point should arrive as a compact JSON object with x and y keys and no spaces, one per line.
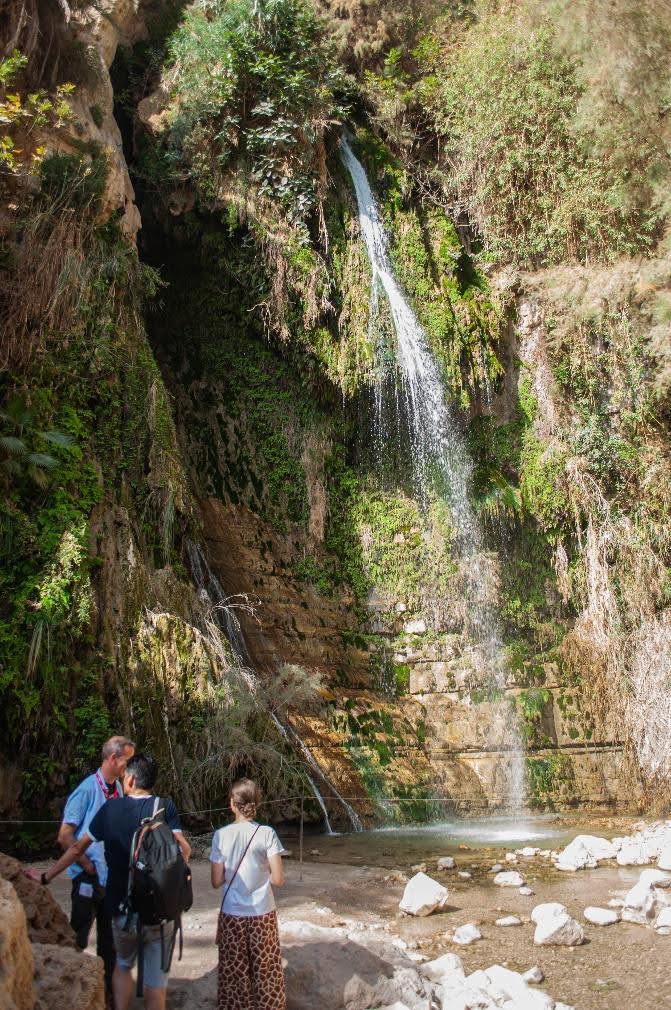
{"x":250,"y":893}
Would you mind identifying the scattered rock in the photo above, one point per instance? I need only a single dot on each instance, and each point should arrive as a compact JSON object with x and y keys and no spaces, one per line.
{"x":526,"y":891}
{"x":497,"y":986}
{"x":528,"y":852}
{"x":546,"y":910}
{"x":534,"y":976}
{"x":446,"y":965}
{"x":663,"y":920}
{"x":647,"y":898}
{"x":467,"y":934}
{"x":446,"y":863}
{"x":601,"y":916}
{"x":561,"y":931}
{"x":664,"y":861}
{"x":585,"y":852}
{"x":465,"y":875}
{"x":417,"y":627}
{"x":511,"y":857}
{"x":508,"y":920}
{"x":400,"y":608}
{"x":616,"y":903}
{"x":419,"y":868}
{"x":634,"y":852}
{"x":496,"y":868}
{"x":509,"y":878}
{"x":423,"y":895}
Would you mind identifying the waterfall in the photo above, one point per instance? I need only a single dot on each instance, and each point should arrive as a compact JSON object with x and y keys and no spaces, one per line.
{"x":437,"y":450}
{"x":208,"y":585}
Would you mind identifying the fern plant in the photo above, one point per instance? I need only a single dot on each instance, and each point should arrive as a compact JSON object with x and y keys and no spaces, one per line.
{"x":20,"y":459}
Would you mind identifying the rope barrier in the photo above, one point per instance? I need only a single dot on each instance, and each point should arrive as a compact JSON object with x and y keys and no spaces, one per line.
{"x":381,"y":801}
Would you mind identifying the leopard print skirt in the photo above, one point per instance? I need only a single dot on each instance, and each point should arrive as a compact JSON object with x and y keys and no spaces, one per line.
{"x":250,"y":964}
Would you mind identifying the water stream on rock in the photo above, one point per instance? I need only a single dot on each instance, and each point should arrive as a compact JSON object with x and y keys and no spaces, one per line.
{"x":439,"y":459}
{"x":228,"y":624}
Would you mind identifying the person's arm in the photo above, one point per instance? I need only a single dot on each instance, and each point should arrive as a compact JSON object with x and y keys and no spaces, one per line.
{"x":73,"y":855}
{"x":183,"y":844}
{"x":217,"y":863}
{"x":66,"y":839}
{"x":217,"y":875}
{"x":173,"y":822}
{"x":276,"y":870}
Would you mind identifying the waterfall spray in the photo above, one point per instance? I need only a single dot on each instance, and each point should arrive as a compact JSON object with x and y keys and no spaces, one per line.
{"x":437,"y":448}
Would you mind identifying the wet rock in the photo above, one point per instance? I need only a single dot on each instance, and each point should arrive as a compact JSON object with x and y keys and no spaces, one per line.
{"x":446,"y":863}
{"x":509,"y":878}
{"x":47,"y":922}
{"x":508,"y":920}
{"x":534,"y":976}
{"x":585,"y":852}
{"x":465,"y":935}
{"x":16,"y":955}
{"x":423,"y":895}
{"x":67,"y":978}
{"x":601,"y":916}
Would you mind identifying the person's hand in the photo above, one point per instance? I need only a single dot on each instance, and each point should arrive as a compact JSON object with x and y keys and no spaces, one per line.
{"x":33,"y":874}
{"x":87,"y":866}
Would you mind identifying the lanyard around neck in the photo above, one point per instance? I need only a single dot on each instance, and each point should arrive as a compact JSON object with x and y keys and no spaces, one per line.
{"x":107,"y":792}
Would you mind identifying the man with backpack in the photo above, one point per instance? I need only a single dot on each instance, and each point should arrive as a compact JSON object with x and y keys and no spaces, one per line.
{"x":148,"y":881}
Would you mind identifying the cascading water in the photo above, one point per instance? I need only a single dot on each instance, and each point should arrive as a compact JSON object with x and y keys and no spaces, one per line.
{"x":227,"y":622}
{"x":438,"y":454}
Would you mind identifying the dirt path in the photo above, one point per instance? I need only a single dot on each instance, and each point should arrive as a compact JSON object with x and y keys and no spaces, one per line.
{"x":622,"y":967}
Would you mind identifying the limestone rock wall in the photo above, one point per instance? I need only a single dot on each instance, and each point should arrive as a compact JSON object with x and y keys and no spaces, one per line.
{"x":16,"y":955}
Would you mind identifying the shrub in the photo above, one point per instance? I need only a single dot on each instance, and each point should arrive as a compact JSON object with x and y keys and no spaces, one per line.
{"x":524,"y":156}
{"x":253,"y":88}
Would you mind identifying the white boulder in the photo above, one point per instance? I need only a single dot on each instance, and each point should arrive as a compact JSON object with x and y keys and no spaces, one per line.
{"x":446,"y":863}
{"x":526,"y":891}
{"x":511,"y":857}
{"x":634,"y":852}
{"x":585,"y":852}
{"x":508,"y":920}
{"x":509,"y":878}
{"x":601,"y":916}
{"x":467,"y":934}
{"x":663,"y":920}
{"x":555,"y":927}
{"x":547,"y":910}
{"x":647,"y":898}
{"x":534,"y":976}
{"x":664,"y":861}
{"x":464,"y":875}
{"x":423,"y":895}
{"x":496,"y":868}
{"x":443,"y":968}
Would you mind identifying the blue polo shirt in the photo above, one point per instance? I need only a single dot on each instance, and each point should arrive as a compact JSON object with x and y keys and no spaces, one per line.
{"x":82,"y":806}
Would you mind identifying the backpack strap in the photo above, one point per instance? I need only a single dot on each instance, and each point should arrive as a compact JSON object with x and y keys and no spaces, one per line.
{"x":235,"y":872}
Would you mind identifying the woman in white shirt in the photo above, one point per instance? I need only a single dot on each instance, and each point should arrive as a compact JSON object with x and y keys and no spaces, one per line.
{"x":246,"y":861}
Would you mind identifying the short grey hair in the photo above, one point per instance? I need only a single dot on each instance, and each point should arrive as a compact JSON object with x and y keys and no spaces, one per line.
{"x":116,"y":745}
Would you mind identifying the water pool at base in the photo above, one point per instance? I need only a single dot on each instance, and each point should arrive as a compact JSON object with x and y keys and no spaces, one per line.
{"x":396,"y":846}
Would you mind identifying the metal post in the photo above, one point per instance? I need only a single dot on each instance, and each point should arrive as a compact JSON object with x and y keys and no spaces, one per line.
{"x":300,"y":840}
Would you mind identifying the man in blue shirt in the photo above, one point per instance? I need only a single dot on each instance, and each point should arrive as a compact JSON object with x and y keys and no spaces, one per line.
{"x":115,"y":825}
{"x":89,"y":874}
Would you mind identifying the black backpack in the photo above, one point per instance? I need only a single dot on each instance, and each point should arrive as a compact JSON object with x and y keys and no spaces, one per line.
{"x":159,"y":881}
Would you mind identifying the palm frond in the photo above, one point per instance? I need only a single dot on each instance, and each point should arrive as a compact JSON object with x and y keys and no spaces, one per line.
{"x":58,"y":438}
{"x":13,"y":445}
